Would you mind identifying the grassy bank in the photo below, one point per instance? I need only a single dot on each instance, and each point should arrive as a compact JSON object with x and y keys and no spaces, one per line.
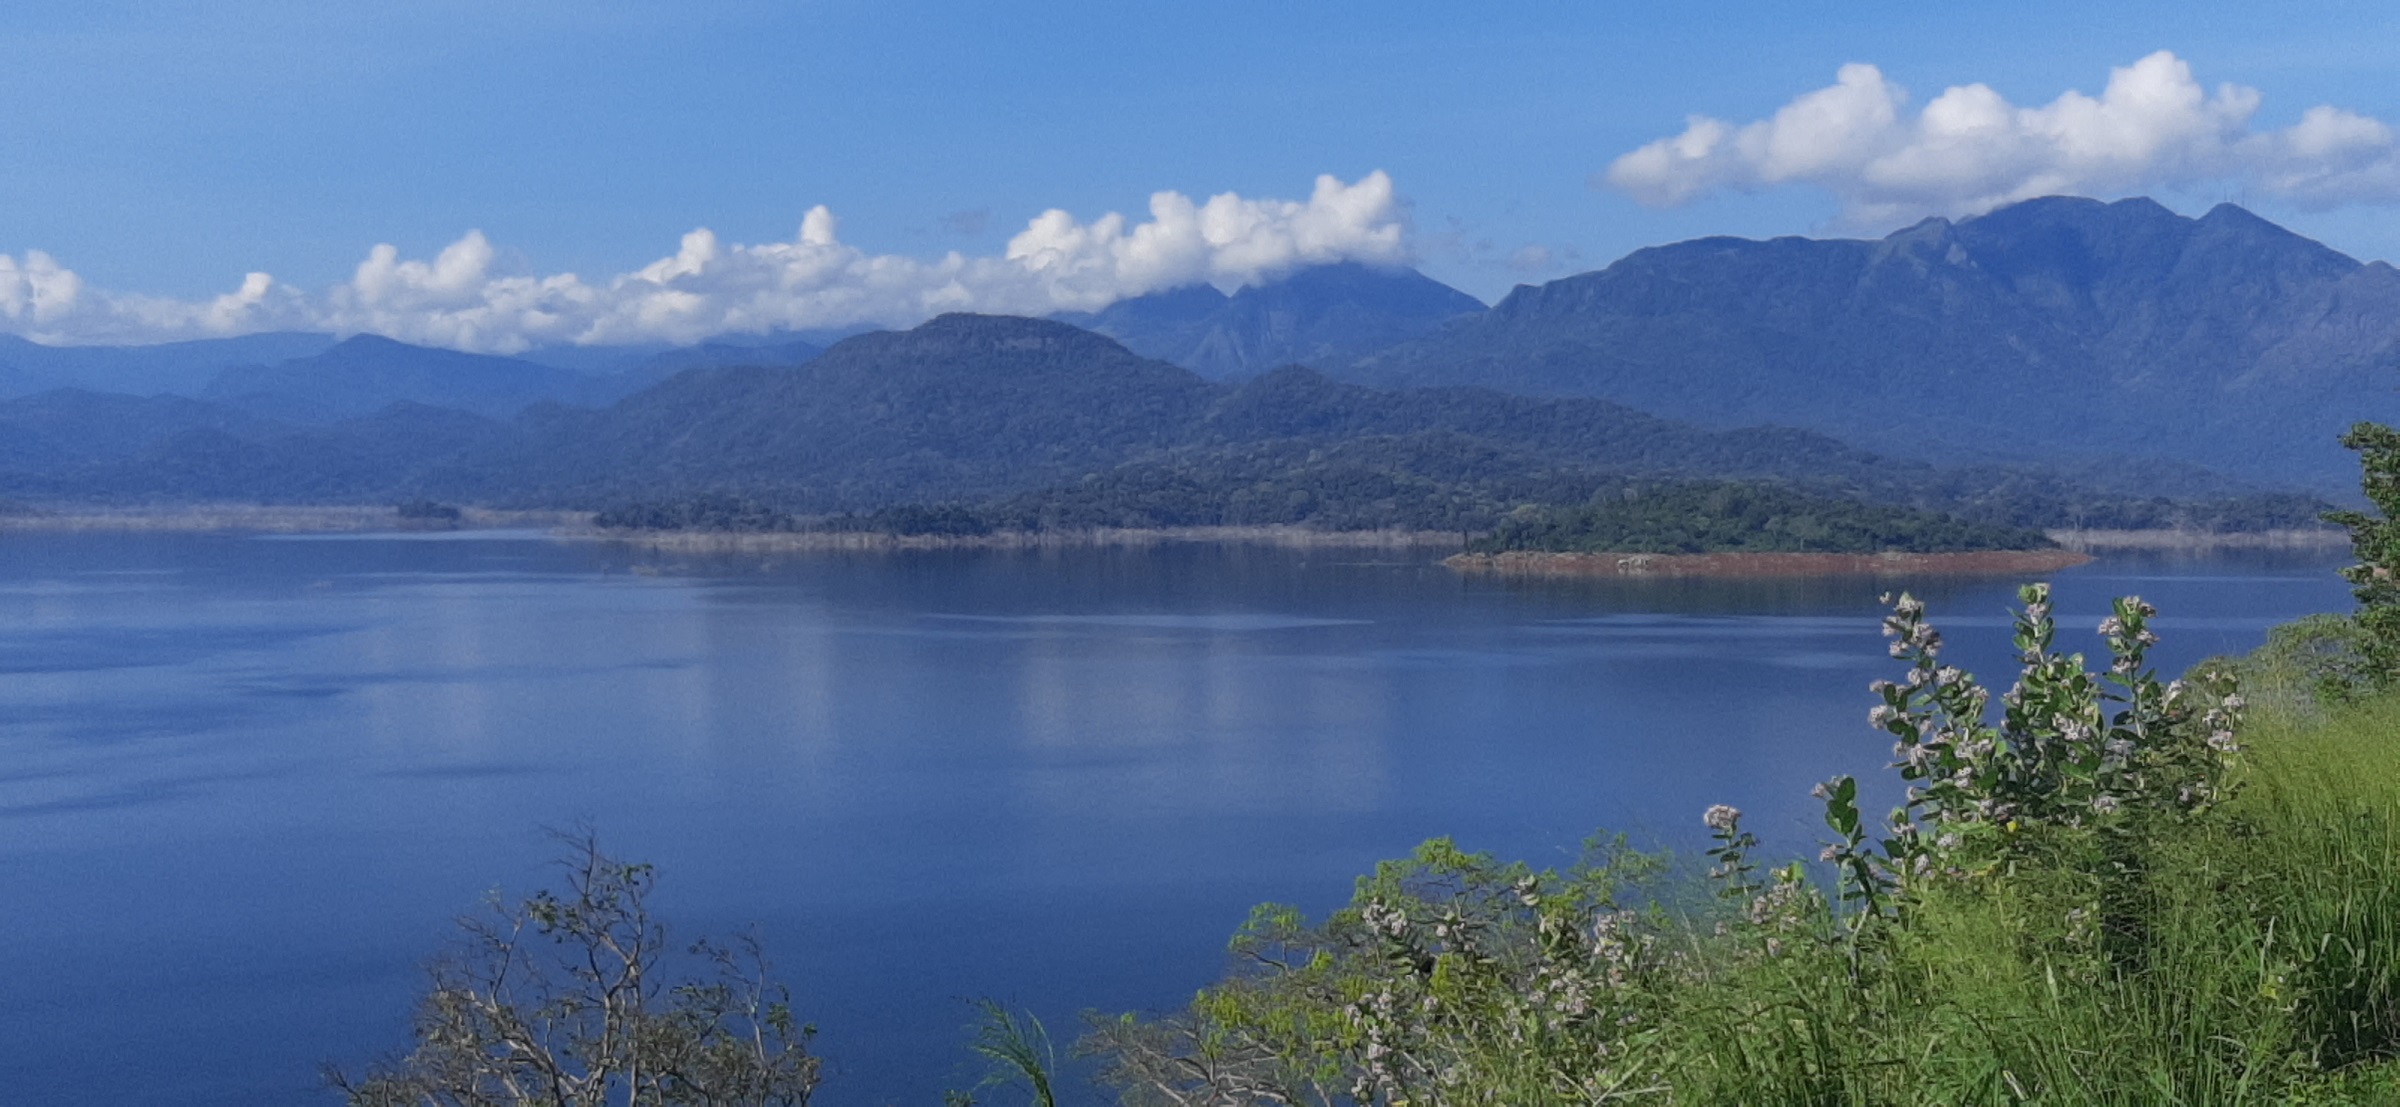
{"x":2230,"y":937}
{"x":2247,"y":958}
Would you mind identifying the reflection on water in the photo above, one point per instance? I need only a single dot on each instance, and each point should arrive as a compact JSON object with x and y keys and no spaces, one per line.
{"x":244,"y":782}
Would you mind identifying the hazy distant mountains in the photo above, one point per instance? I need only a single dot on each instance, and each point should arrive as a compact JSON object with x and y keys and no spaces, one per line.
{"x":315,"y":378}
{"x":363,"y":375}
{"x":964,"y":404}
{"x":970,"y":406}
{"x":962,"y":407}
{"x":2052,"y":328}
{"x":1007,"y":418}
{"x":179,"y":368}
{"x":1324,"y":316}
{"x":2120,"y":346}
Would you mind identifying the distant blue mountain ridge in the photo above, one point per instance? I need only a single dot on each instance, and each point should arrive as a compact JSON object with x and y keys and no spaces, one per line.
{"x":2117,"y":340}
{"x":2052,"y":329}
{"x":1324,"y":316}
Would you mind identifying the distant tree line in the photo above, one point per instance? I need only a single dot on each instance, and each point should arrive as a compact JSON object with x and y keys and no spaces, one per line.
{"x":1737,"y":517}
{"x":1442,"y":481}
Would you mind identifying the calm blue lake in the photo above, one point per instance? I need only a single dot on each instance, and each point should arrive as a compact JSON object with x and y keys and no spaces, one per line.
{"x":246,"y":782}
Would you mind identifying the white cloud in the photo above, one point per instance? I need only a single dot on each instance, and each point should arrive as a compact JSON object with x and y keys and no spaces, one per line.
{"x":466,"y":297}
{"x":1970,"y":150}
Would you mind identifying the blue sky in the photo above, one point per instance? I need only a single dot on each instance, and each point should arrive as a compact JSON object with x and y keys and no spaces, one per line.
{"x":161,"y":151}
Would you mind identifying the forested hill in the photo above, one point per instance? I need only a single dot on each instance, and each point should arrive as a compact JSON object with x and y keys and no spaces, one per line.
{"x":2052,"y":329}
{"x":965,"y":404}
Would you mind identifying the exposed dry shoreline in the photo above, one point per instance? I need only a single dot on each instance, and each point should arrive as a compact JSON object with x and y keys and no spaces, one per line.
{"x":257,"y":519}
{"x":687,"y":541}
{"x":1531,"y":563}
{"x":2313,"y":538}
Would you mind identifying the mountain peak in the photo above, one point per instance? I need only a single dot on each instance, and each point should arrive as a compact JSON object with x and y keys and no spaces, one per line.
{"x":368,"y":340}
{"x":1321,"y":315}
{"x":365,"y":373}
{"x":972,"y":331}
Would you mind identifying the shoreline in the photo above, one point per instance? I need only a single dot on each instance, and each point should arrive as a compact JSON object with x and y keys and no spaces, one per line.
{"x":688,"y":541}
{"x":265,"y":519}
{"x":576,"y":526}
{"x":2312,"y":538}
{"x":1537,"y":563}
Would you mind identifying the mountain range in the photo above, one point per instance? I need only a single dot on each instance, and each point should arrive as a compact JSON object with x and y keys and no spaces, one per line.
{"x":2052,"y":329}
{"x":1008,"y":419}
{"x":970,"y":406}
{"x":2083,"y":347}
{"x":178,"y":368}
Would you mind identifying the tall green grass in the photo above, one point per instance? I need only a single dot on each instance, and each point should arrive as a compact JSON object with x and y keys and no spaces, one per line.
{"x":2248,"y":957}
{"x":2251,"y":959}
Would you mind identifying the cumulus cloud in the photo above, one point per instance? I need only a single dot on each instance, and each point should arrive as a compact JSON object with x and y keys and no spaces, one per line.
{"x":467,"y":296}
{"x":1969,"y":150}
{"x":42,"y":299}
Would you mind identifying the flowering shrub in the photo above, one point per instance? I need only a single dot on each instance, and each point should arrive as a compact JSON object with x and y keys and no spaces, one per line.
{"x":1451,"y":978}
{"x":2072,"y":750}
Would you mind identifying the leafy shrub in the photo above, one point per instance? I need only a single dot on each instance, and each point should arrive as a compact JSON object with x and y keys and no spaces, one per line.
{"x":2376,"y":538}
{"x":2312,"y":661}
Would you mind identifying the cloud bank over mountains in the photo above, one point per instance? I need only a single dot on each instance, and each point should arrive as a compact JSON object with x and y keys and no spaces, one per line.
{"x":1969,"y":150}
{"x":466,"y":298}
{"x":2153,"y":127}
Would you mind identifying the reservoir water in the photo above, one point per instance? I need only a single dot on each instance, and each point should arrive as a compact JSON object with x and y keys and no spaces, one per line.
{"x":245,"y":782}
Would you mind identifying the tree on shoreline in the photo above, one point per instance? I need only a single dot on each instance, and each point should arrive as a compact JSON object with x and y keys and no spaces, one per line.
{"x":565,"y":1000}
{"x":2375,"y":579}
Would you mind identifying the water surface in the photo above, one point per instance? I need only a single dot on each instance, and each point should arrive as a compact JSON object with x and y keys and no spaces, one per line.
{"x":244,"y":782}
